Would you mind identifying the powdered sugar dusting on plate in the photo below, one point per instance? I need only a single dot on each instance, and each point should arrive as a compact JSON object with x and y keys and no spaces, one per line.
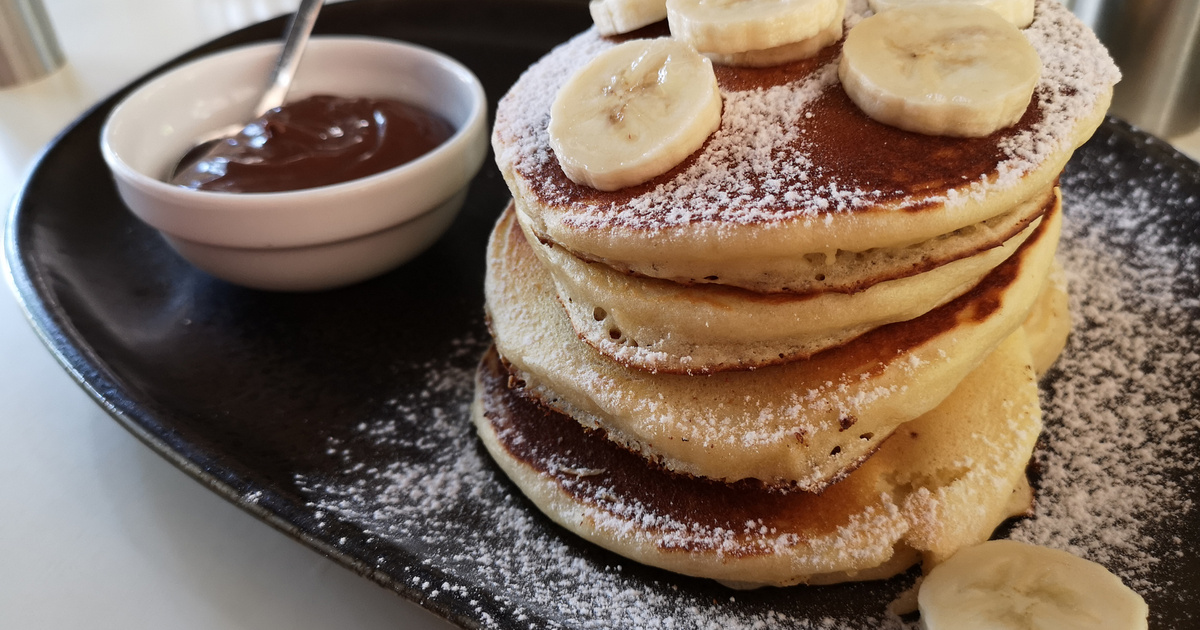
{"x":1122,"y":450}
{"x":1119,"y":461}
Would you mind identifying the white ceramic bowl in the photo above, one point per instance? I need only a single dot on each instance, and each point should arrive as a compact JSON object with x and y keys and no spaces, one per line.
{"x":306,"y":239}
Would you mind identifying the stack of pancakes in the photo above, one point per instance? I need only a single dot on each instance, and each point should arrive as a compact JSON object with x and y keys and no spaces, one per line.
{"x":806,"y":354}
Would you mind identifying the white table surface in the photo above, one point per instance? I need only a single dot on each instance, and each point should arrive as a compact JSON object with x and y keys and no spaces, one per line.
{"x":96,"y":530}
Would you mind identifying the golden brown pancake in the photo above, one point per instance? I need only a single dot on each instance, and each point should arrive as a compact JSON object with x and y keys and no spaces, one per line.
{"x":941,"y":482}
{"x":851,"y":272}
{"x":804,"y":355}
{"x":1049,"y":321}
{"x":801,"y":424}
{"x":797,"y":170}
{"x":659,"y":325}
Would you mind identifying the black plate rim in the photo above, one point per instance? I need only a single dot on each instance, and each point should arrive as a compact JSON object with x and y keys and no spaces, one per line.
{"x":89,"y":371}
{"x":73,"y":352}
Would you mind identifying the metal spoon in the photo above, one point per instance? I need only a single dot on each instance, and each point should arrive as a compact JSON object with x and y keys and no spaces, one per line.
{"x":294,"y":41}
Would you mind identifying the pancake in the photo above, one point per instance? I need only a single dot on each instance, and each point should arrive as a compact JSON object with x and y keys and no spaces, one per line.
{"x":796,"y":170}
{"x":844,"y":271}
{"x":1049,"y":322}
{"x":659,"y":325}
{"x":941,"y":482}
{"x":801,"y":424}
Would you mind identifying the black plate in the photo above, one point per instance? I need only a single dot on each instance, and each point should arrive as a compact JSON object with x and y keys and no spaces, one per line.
{"x":339,"y":417}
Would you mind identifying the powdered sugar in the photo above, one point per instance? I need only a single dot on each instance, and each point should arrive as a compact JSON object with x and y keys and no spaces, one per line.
{"x":1118,"y":466}
{"x":756,"y":167}
{"x":1122,"y":451}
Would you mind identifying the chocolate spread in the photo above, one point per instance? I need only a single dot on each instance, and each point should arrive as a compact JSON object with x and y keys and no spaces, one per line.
{"x":317,"y":141}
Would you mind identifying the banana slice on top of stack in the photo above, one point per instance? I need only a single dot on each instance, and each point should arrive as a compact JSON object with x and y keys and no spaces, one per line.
{"x":769,"y":302}
{"x":606,"y":126}
{"x":757,"y":32}
{"x":613,"y":17}
{"x":950,"y":70}
{"x":1018,"y":12}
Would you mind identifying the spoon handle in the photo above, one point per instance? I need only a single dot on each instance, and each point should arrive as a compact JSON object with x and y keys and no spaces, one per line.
{"x":293,"y":48}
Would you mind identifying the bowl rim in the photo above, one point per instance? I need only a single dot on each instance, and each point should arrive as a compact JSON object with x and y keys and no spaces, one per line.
{"x":459,"y":141}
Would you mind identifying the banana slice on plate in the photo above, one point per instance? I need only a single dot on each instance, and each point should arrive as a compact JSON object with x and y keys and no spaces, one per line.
{"x":613,"y":17}
{"x":1019,"y":12}
{"x":1007,"y":585}
{"x":794,"y":51}
{"x":633,"y":113}
{"x":940,"y":69}
{"x":734,"y":26}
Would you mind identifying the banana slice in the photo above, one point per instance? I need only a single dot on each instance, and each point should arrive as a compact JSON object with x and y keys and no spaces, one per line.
{"x":950,"y":70}
{"x":613,"y":17}
{"x":734,"y":26}
{"x":794,"y":51}
{"x":1019,"y":12}
{"x":633,"y":113}
{"x":1007,"y":585}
